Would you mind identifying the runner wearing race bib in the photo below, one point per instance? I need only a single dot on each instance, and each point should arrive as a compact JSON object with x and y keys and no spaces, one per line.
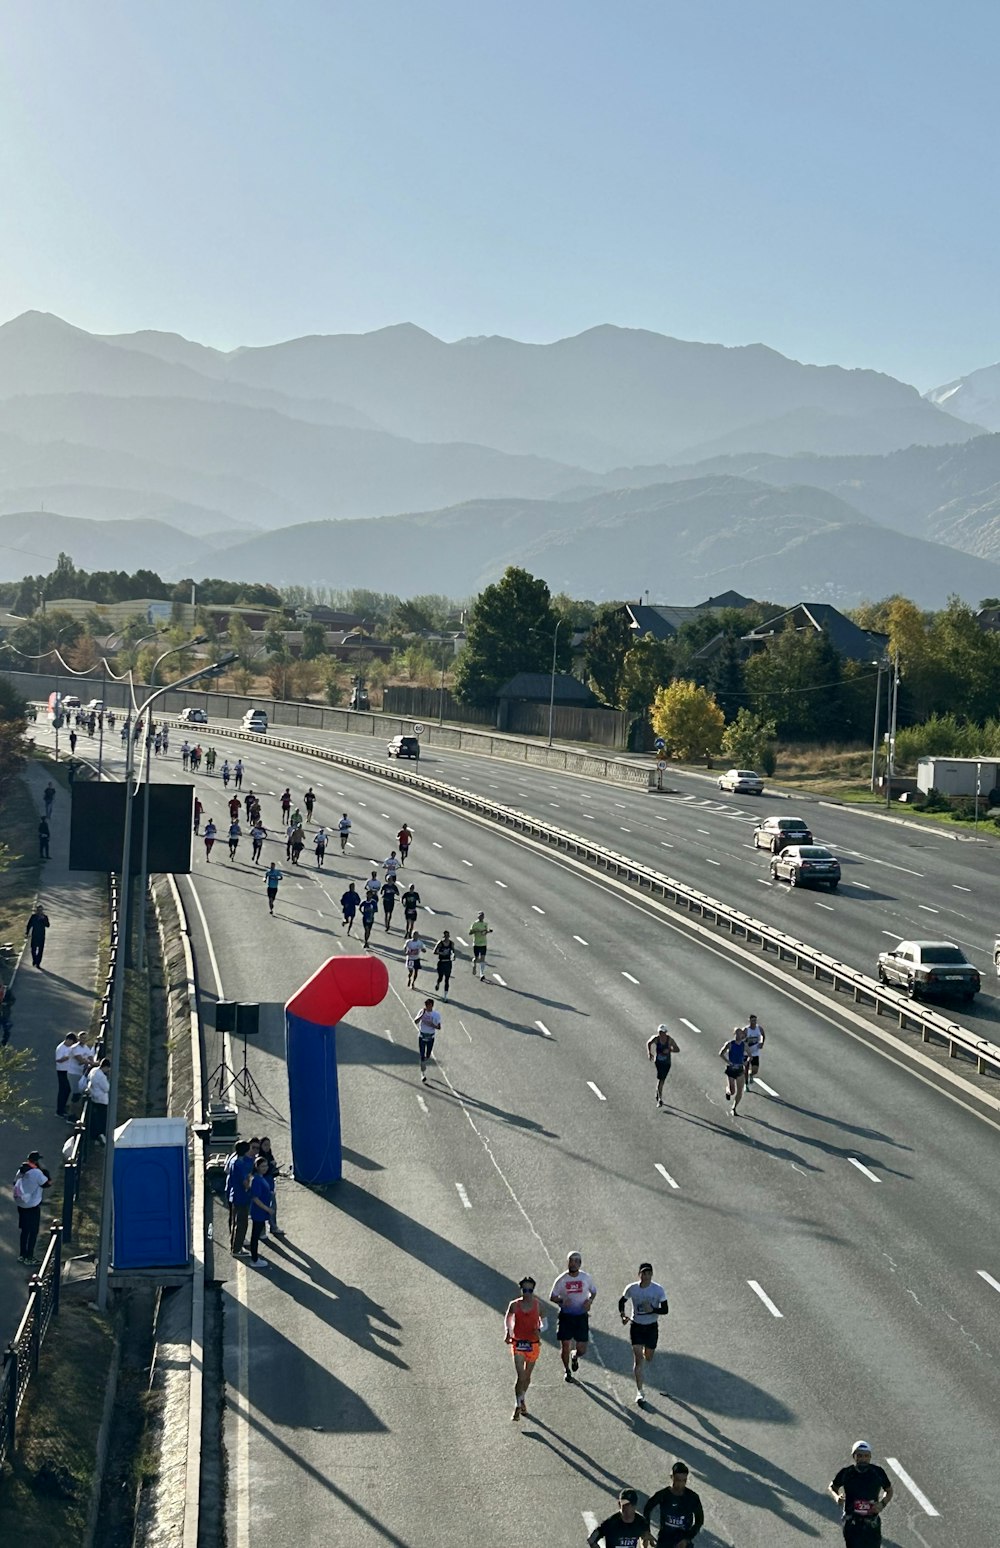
{"x":524,"y":1324}
{"x":753,"y":1036}
{"x":478,"y":931}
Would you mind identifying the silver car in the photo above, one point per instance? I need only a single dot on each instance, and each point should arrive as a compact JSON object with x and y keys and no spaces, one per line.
{"x":929,"y":967}
{"x":800,"y":864}
{"x":741,"y":782}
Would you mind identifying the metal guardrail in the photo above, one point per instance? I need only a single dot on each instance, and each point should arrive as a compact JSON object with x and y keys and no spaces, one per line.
{"x":20,"y":1360}
{"x":805,"y":958}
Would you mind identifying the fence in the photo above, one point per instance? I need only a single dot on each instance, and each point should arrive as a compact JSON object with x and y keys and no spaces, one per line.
{"x":433,"y":704}
{"x":20,"y":1361}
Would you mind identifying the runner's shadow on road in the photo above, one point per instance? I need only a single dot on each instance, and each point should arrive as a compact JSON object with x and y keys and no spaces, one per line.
{"x":574,"y":1456}
{"x":838,"y":1152}
{"x":498,"y":1112}
{"x":875,"y":1135}
{"x":292,"y":1391}
{"x":356,"y":1045}
{"x":735,"y":1130}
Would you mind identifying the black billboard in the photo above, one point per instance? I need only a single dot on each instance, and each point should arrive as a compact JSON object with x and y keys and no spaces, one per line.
{"x":97,"y":828}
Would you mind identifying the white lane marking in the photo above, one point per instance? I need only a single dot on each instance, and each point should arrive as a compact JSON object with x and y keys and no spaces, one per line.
{"x":599,"y":1094}
{"x":686,"y":1023}
{"x":555,"y":804}
{"x":385,"y":814}
{"x":761,"y":881}
{"x":466,"y":1201}
{"x":827,"y":906}
{"x":705,"y":831}
{"x":590,"y":1521}
{"x":501,"y":981}
{"x":764,"y":1086}
{"x":629,"y":977}
{"x":620,"y":804}
{"x":537,"y":909}
{"x":468,"y":863}
{"x":927,"y":908}
{"x":755,"y":1287}
{"x":862,"y":1168}
{"x":857,"y":855}
{"x":666,"y":1175}
{"x":581,"y":940}
{"x":543,"y":1029}
{"x":500,"y":884}
{"x":457,"y":937}
{"x":712,"y":862}
{"x":625,"y":830}
{"x":892,"y":934}
{"x":428,"y":909}
{"x":907,"y":1482}
{"x":959,"y":888}
{"x":665,"y":845}
{"x":995,"y":1284}
{"x":389,"y":1035}
{"x":242,"y":1411}
{"x":362,"y":803}
{"x":590,"y":816}
{"x":423,"y":1105}
{"x":465,"y":1029}
{"x":435,"y":844}
{"x":860,"y":884}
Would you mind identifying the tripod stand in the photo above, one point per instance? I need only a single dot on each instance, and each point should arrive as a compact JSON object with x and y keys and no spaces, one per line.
{"x":243,"y":1083}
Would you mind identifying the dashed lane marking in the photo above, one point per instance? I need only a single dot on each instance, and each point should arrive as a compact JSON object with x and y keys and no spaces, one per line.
{"x":501,"y":981}
{"x":865,"y":1169}
{"x":666,"y":1175}
{"x":686,"y":1023}
{"x":537,"y":909}
{"x":466,"y":1201}
{"x":599,"y":1094}
{"x":629,"y":977}
{"x":422,"y":1104}
{"x":907,"y":1482}
{"x":995,"y":1284}
{"x":500,"y":884}
{"x":758,"y":1291}
{"x":763,"y":1086}
{"x":581,"y":940}
{"x":543,"y":1029}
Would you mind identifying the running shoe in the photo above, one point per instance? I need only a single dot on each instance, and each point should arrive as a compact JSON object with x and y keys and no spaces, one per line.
{"x":640,"y":1401}
{"x":567,"y":1376}
{"x":515,"y":1416}
{"x":574,"y":1363}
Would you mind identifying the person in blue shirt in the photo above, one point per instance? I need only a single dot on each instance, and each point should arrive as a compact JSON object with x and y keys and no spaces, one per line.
{"x":261,"y":1208}
{"x":735,"y":1054}
{"x":239,"y":1169}
{"x":369,"y":909}
{"x":350,"y":902}
{"x":272,"y":876}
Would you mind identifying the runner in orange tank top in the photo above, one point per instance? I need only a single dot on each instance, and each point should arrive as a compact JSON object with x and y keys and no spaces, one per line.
{"x":524,"y":1324}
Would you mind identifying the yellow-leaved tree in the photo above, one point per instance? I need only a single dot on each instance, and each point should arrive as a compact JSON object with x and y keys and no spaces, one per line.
{"x":688,"y":719}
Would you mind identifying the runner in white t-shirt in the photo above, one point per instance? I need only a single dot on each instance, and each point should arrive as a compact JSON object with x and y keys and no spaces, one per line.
{"x":428,"y":1025}
{"x":413,"y":951}
{"x":754,"y":1037}
{"x":574,"y":1293}
{"x":344,"y":829}
{"x":649,"y":1302}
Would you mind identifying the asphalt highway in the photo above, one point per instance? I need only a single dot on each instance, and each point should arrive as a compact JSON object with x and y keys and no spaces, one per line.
{"x":830,"y":1254}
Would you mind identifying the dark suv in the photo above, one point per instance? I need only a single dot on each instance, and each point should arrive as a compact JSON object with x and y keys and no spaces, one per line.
{"x":404,"y":747}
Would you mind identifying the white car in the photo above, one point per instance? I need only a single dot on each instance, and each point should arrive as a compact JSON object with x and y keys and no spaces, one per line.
{"x":741,"y":782}
{"x":193,"y":717}
{"x":255,"y":720}
{"x":96,"y":705}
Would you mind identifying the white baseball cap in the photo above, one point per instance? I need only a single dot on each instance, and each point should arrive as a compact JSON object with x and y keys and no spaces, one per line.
{"x":860,"y":1446}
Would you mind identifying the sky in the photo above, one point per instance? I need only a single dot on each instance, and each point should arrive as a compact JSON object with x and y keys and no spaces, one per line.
{"x":817,"y":175}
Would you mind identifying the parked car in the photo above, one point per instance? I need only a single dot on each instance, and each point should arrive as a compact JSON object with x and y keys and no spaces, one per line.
{"x":929,"y":967}
{"x":96,"y":706}
{"x":193,"y":716}
{"x":741,"y":782}
{"x":800,"y":864}
{"x":776,"y":833}
{"x":70,"y":701}
{"x":404,"y":747}
{"x":255,"y":720}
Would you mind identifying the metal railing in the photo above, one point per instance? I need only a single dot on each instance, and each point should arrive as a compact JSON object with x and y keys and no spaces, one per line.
{"x":83,"y":1138}
{"x":20,"y":1360}
{"x":823,"y":968}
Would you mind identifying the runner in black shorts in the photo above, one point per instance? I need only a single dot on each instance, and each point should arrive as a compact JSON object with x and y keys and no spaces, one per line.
{"x":659,"y":1048}
{"x":574,"y":1293}
{"x":444,"y":950}
{"x":649,"y":1302}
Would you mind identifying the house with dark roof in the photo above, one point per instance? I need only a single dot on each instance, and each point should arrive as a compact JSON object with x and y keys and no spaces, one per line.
{"x":850,"y":641}
{"x":663,"y":622}
{"x":535,"y":688}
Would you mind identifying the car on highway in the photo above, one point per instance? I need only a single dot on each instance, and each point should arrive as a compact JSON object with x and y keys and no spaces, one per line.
{"x":800,"y":864}
{"x":776,"y":833}
{"x":70,"y":701}
{"x":193,"y":716}
{"x":404,"y":747}
{"x":96,"y":706}
{"x":741,"y":782}
{"x":929,"y":967}
{"x":255,"y":720}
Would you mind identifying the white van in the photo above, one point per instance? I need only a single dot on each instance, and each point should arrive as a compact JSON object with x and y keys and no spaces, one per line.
{"x":255,"y":720}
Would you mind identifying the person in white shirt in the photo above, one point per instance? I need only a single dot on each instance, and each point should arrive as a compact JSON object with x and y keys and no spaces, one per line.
{"x":65,"y":1059}
{"x":574,"y":1293}
{"x":413,"y":951}
{"x":344,"y":829}
{"x":390,"y":866}
{"x":754,"y":1037}
{"x":649,"y":1302}
{"x":373,"y":886}
{"x":29,"y":1184}
{"x":428,"y":1025}
{"x":83,"y":1059}
{"x":99,"y":1091}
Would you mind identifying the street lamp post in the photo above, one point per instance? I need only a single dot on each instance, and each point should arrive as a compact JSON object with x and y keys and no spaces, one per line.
{"x":878,"y":698}
{"x":891,"y":759}
{"x":118,"y":994}
{"x":552,"y":679}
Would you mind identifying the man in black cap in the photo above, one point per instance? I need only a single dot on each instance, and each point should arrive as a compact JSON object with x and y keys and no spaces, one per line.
{"x":681,"y":1513}
{"x":863,"y":1491}
{"x":626,"y":1528}
{"x":32,"y":1178}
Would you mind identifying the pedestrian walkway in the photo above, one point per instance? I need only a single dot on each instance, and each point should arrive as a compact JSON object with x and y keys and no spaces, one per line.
{"x":51,"y":1001}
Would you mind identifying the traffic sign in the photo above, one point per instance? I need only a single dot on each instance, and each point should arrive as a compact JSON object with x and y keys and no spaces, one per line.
{"x":661,"y":764}
{"x":418,"y":729}
{"x":659,"y":744}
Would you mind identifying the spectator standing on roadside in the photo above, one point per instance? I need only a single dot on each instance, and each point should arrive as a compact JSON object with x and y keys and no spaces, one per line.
{"x":267,"y":1154}
{"x":261,"y":1197}
{"x":99,"y":1091}
{"x":65,"y":1060}
{"x":29,"y":1185}
{"x":49,"y":797}
{"x":239,"y":1170}
{"x":82,"y":1062}
{"x":38,"y":923}
{"x":44,"y":835}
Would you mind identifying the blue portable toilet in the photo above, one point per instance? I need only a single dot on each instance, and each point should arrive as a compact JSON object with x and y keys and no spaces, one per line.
{"x":151,"y":1194}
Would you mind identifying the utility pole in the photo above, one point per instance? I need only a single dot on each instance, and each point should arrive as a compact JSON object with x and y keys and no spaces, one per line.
{"x":891,"y":760}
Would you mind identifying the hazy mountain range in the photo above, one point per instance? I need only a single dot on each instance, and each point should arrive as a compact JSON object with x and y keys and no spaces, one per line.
{"x":611,"y":463}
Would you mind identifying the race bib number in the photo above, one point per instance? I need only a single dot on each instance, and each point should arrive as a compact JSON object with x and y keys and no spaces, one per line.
{"x":861,"y":1508}
{"x":524,"y":1345}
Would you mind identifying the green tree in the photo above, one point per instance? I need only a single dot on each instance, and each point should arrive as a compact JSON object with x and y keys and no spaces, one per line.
{"x":242,"y":641}
{"x":13,"y":724}
{"x":796,"y":681}
{"x":512,"y":626}
{"x":313,"y":641}
{"x":725,"y":677}
{"x":648,"y":665}
{"x":746,"y":739}
{"x":604,"y":651}
{"x":688,"y":719}
{"x":275,"y":643}
{"x":15,"y":1108}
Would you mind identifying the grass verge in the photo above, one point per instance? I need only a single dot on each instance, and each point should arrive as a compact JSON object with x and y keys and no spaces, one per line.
{"x":21,"y":869}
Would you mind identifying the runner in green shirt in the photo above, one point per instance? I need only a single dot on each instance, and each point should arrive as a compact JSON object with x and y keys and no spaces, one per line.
{"x":478,"y":931}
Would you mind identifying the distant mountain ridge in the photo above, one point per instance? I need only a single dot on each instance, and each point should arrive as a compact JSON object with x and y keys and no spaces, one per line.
{"x":975,"y":397}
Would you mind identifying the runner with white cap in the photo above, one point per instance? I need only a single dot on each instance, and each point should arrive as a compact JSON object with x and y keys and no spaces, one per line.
{"x":660,"y":1048}
{"x":862,"y":1489}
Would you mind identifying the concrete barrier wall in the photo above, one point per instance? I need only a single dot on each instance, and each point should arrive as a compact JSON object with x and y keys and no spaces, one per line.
{"x":286,"y":715}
